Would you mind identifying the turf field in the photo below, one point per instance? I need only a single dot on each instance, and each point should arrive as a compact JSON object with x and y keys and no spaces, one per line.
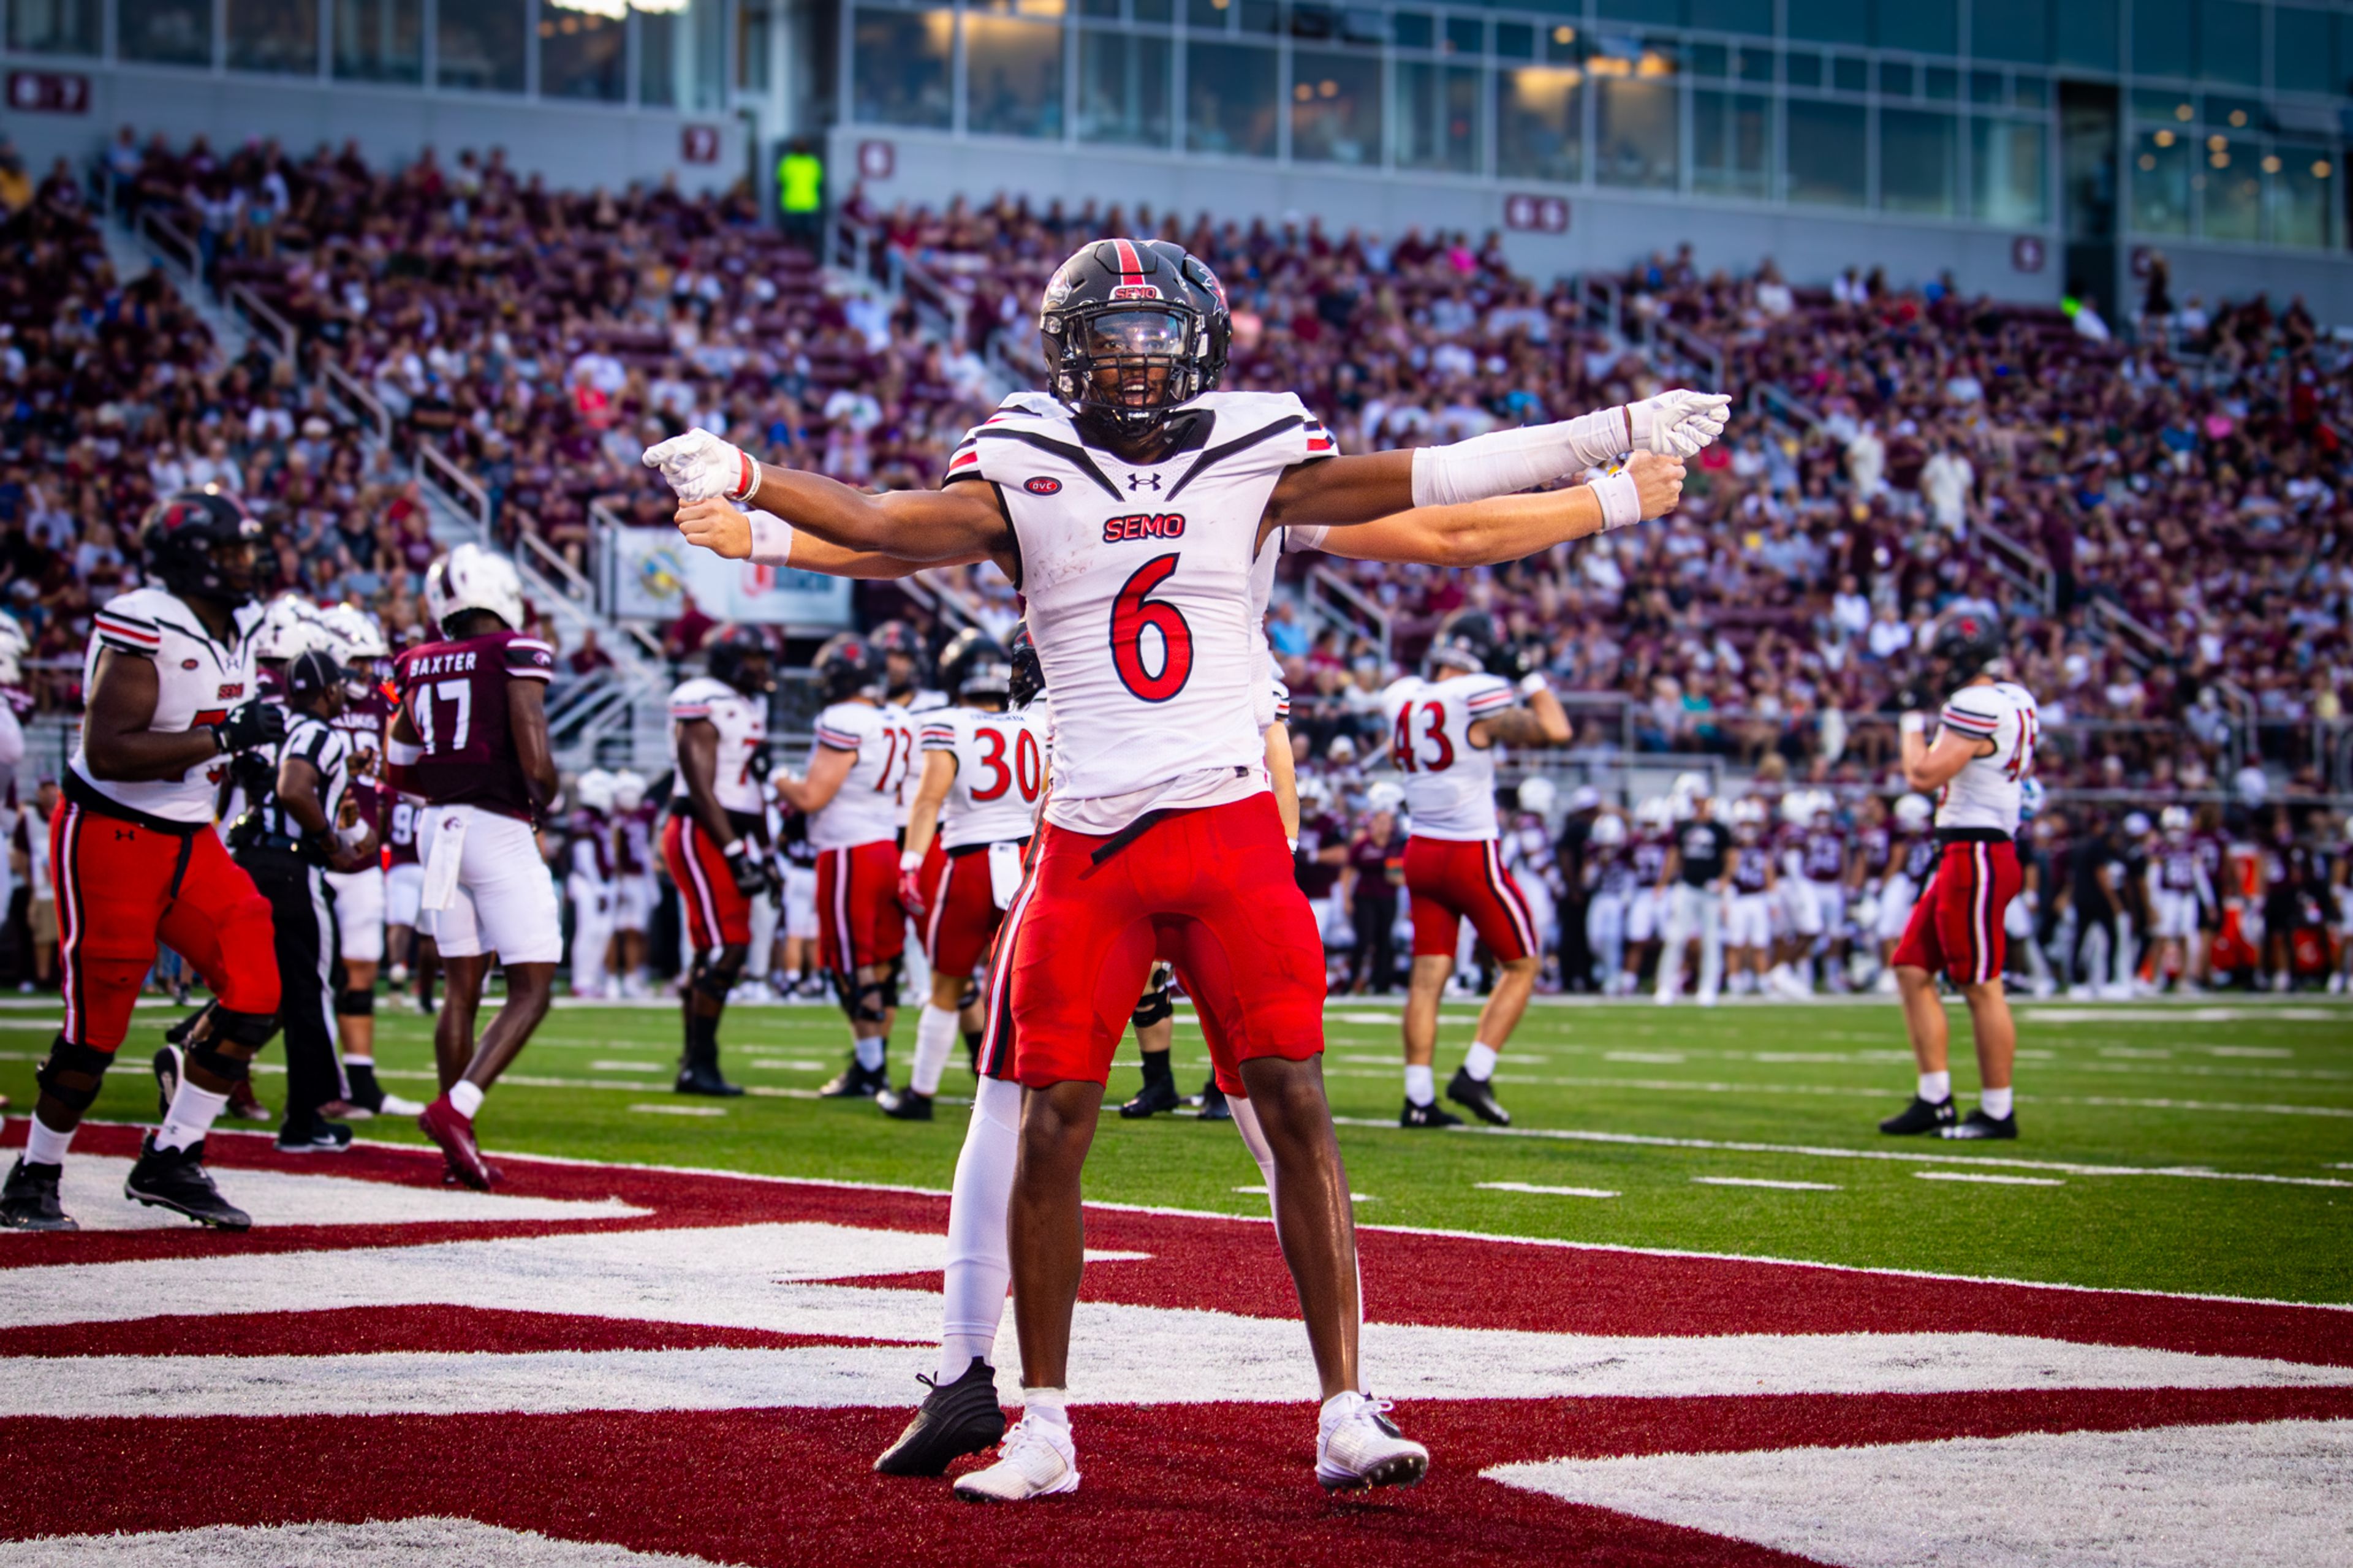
{"x":2198,"y":1147}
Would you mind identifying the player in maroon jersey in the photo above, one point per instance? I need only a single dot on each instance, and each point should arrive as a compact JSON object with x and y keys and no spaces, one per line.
{"x":471,"y":737}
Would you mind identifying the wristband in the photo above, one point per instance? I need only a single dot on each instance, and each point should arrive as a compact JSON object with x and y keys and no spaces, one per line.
{"x":735,"y":850}
{"x":354,"y":836}
{"x":750,"y":478}
{"x":1621,"y":499}
{"x":220,"y":741}
{"x":772,"y":539}
{"x":1912,"y":723}
{"x":1533,"y":682}
{"x":1294,"y":844}
{"x":909,"y":860}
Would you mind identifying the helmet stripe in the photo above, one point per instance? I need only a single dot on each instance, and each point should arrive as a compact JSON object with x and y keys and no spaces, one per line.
{"x":1131,"y":265}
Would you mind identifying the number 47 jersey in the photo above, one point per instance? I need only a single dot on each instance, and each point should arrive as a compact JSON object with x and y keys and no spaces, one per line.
{"x":1000,"y":773}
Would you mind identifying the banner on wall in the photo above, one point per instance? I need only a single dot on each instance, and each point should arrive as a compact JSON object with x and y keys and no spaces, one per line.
{"x":650,"y":572}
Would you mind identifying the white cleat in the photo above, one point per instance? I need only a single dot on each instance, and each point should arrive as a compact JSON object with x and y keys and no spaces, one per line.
{"x":1036,"y":1460}
{"x":1356,"y":1446}
{"x":399,"y":1105}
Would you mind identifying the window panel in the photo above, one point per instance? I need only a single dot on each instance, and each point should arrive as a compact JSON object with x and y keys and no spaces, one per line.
{"x":2160,"y":180}
{"x":277,"y":36}
{"x":582,"y":54}
{"x":1124,"y":92}
{"x":1012,"y":77}
{"x":1465,"y":36}
{"x":2005,"y":174}
{"x":1943,"y":84}
{"x":1731,"y":144}
{"x":1515,"y":41}
{"x":1897,"y":77}
{"x":1666,"y":13}
{"x":1930,"y":26}
{"x":2084,"y":32}
{"x":1635,"y":136}
{"x":2232,"y":185}
{"x":2302,"y":194}
{"x":479,"y":46}
{"x":1733,"y":15}
{"x":1804,"y":69}
{"x":2231,"y":42}
{"x":1437,"y":116}
{"x":1163,"y":12}
{"x":1208,"y":16}
{"x":898,"y":68}
{"x":166,"y":32}
{"x":379,"y":41}
{"x":1847,"y":74}
{"x":2302,"y":52}
{"x":1830,"y":21}
{"x":2161,"y":37}
{"x":682,"y":54}
{"x":1336,"y":107}
{"x":1826,"y":158}
{"x":1229,"y":99}
{"x":56,"y":26}
{"x":1919,"y":162}
{"x":2010,"y":30}
{"x":1540,"y":124}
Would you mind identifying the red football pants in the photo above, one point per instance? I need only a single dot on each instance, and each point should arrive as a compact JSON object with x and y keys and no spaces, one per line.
{"x":120,"y":888}
{"x":717,"y":914}
{"x":1956,"y":926}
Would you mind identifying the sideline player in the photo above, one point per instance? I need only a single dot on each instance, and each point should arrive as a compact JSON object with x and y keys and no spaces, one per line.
{"x":1983,"y":750}
{"x":1610,"y":886}
{"x":588,"y":880}
{"x":635,"y":893}
{"x":1691,"y":889}
{"x":716,"y":840}
{"x":2178,"y":894}
{"x":135,"y":858}
{"x":972,"y":814}
{"x":471,"y":738}
{"x":1159,"y":814}
{"x":857,"y":776}
{"x":1443,"y":730}
{"x":1749,"y":912}
{"x":404,"y":939}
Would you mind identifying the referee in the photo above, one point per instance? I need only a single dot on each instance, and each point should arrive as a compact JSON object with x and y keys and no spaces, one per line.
{"x":296,"y":830}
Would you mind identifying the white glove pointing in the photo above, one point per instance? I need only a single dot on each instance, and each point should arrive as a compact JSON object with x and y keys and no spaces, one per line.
{"x":1678,"y":424}
{"x":699,"y":466}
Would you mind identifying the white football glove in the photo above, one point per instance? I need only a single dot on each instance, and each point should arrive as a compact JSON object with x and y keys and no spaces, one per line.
{"x":1678,"y":424}
{"x":699,"y":466}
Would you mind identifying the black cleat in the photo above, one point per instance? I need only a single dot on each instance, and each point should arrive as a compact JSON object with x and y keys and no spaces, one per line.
{"x":703,"y":1078}
{"x":1213,"y":1103}
{"x":955,"y":1419}
{"x":176,"y":1179}
{"x":1157,"y":1097}
{"x":321,"y":1137}
{"x":905,"y":1105}
{"x":1479,"y":1095}
{"x":1977,"y":1124}
{"x":29,"y":1200}
{"x":855,"y":1082}
{"x":1431,"y":1115}
{"x":168,"y":1069}
{"x":1920,"y":1115}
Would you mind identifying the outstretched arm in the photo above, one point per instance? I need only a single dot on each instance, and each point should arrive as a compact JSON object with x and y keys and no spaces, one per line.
{"x":928,"y":526}
{"x":1509,"y":527}
{"x":717,"y":526}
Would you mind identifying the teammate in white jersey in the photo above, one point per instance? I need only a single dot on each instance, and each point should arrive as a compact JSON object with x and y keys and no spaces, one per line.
{"x":1443,"y":730}
{"x":1130,"y":512}
{"x":983,"y":772}
{"x":1982,"y":756}
{"x":716,"y":840}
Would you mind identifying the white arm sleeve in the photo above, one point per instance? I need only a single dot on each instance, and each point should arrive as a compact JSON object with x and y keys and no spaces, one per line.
{"x":772,"y":539}
{"x":1505,"y":462}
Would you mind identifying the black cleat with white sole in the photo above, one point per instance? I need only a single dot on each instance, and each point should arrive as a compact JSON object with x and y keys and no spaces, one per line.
{"x":1479,"y":1095}
{"x":176,"y":1179}
{"x":955,"y":1419}
{"x":1157,"y":1097}
{"x":317,"y":1136}
{"x":904,"y":1104}
{"x":1431,"y":1115}
{"x":1977,"y":1124}
{"x":856,"y":1082}
{"x":1921,"y":1116}
{"x":29,"y":1199}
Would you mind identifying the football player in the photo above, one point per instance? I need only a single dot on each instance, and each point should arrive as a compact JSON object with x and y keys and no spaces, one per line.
{"x":404,"y":891}
{"x":1983,"y":752}
{"x":1443,"y":728}
{"x":1161,"y":814}
{"x":470,"y":738}
{"x":2178,"y":894}
{"x":635,"y":893}
{"x":588,"y":880}
{"x":170,"y":675}
{"x":1611,"y":884}
{"x":716,"y":840}
{"x":1749,"y":917}
{"x":1911,"y":858}
{"x":1691,"y":889}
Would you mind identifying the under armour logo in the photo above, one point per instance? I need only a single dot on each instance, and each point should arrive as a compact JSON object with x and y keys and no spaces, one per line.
{"x":1143,"y":482}
{"x":124,"y":835}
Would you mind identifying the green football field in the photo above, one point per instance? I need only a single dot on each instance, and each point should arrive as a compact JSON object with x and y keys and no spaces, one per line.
{"x":2202,"y":1146}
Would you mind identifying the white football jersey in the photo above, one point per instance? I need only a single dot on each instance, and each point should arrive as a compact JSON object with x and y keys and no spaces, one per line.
{"x":743,"y":725}
{"x":1449,"y":783}
{"x":867,"y":806}
{"x":1139,"y":579}
{"x":198,"y":682}
{"x":1985,"y":793}
{"x":1000,"y":773}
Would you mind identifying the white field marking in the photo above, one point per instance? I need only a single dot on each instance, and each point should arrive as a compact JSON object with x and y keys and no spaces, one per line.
{"x":1659,"y":1056}
{"x":2185,"y":1014}
{"x":648,"y":1107}
{"x":1367,"y":1018}
{"x":379,"y":1544}
{"x":2278,"y":1493}
{"x":2137,"y":1053}
{"x":1762,"y":1181}
{"x":1547,"y":1191}
{"x":2346,"y":1110}
{"x":2273,"y":1051}
{"x":777,"y":1065}
{"x":1576,"y":1135}
{"x":607,"y":1065}
{"x":1353,"y":1198}
{"x":92,"y":1191}
{"x":1994,"y":1177}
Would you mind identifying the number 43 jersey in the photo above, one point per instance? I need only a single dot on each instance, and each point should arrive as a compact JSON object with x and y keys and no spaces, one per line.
{"x":1449,"y":783}
{"x":1000,"y":773}
{"x":1137,"y":578}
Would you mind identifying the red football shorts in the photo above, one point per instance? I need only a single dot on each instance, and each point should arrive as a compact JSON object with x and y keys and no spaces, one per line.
{"x":717,"y":914}
{"x":120,"y":888}
{"x":1213,"y":890}
{"x":859,"y":921}
{"x":1956,"y":924}
{"x":960,"y":912}
{"x":1455,"y":879}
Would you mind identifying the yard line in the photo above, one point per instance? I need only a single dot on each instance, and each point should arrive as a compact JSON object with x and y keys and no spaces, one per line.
{"x":1988,"y":1176}
{"x":607,"y":1065}
{"x":652,"y":1109}
{"x":1547,"y":1191}
{"x":1762,"y":1181}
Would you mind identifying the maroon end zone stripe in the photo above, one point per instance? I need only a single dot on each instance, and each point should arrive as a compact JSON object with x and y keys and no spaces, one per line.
{"x":425,"y":1328}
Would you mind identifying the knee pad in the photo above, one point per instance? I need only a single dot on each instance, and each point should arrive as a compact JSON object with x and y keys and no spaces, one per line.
{"x":1154,"y":1006}
{"x":251,"y":1030}
{"x":872,"y":1002}
{"x":845,"y":993}
{"x":71,"y":1073}
{"x":214,"y":1061}
{"x":716,"y":978}
{"x":969,"y":1000}
{"x":355,"y":1004}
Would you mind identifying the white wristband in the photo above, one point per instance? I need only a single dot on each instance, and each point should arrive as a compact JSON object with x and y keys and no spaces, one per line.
{"x":1621,"y":499}
{"x":1913,"y":723}
{"x":748,"y":482}
{"x":910,"y":861}
{"x":772,"y":539}
{"x":1533,"y":682}
{"x":1294,"y":842}
{"x":354,"y":836}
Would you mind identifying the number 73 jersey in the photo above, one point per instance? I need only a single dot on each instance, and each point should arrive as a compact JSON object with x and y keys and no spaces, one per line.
{"x":1000,"y":773}
{"x":865,"y":810}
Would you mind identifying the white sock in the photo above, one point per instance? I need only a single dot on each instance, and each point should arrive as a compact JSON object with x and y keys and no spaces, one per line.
{"x":980,"y":1263}
{"x":1421,"y":1086}
{"x":935,"y":1036}
{"x":1047,"y":1405}
{"x":466,"y":1098}
{"x":1935,"y":1087}
{"x":44,"y":1145}
{"x":191,"y":1116}
{"x":870,"y":1051}
{"x":351,"y":1061}
{"x":1994,"y":1102}
{"x":1479,"y":1061}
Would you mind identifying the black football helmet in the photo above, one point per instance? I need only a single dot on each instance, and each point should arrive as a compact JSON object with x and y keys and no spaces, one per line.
{"x":897,"y":639}
{"x":1969,"y":645}
{"x":974,"y":664}
{"x":309,"y":675}
{"x":1028,"y":676}
{"x":1134,"y":329}
{"x":201,"y":544}
{"x":848,"y":666}
{"x":1466,"y":639}
{"x":740,"y":657}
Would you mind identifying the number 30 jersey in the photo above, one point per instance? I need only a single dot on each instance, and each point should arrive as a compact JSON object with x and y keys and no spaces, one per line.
{"x":865,"y":810}
{"x":1985,"y":792}
{"x":1449,"y":783}
{"x":1000,"y":773}
{"x":1139,"y":586}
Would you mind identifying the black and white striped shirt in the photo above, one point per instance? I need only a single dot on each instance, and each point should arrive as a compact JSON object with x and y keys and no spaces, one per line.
{"x":325,"y":748}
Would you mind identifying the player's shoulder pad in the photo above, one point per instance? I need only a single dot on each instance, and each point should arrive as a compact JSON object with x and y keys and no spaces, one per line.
{"x":1021,"y":425}
{"x":941,"y":729}
{"x":1483,"y":693}
{"x":844,"y":725}
{"x":693,"y":698}
{"x":527,"y":657}
{"x":1975,"y":711}
{"x":129,"y":622}
{"x":1273,"y":429}
{"x":1404,"y":689}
